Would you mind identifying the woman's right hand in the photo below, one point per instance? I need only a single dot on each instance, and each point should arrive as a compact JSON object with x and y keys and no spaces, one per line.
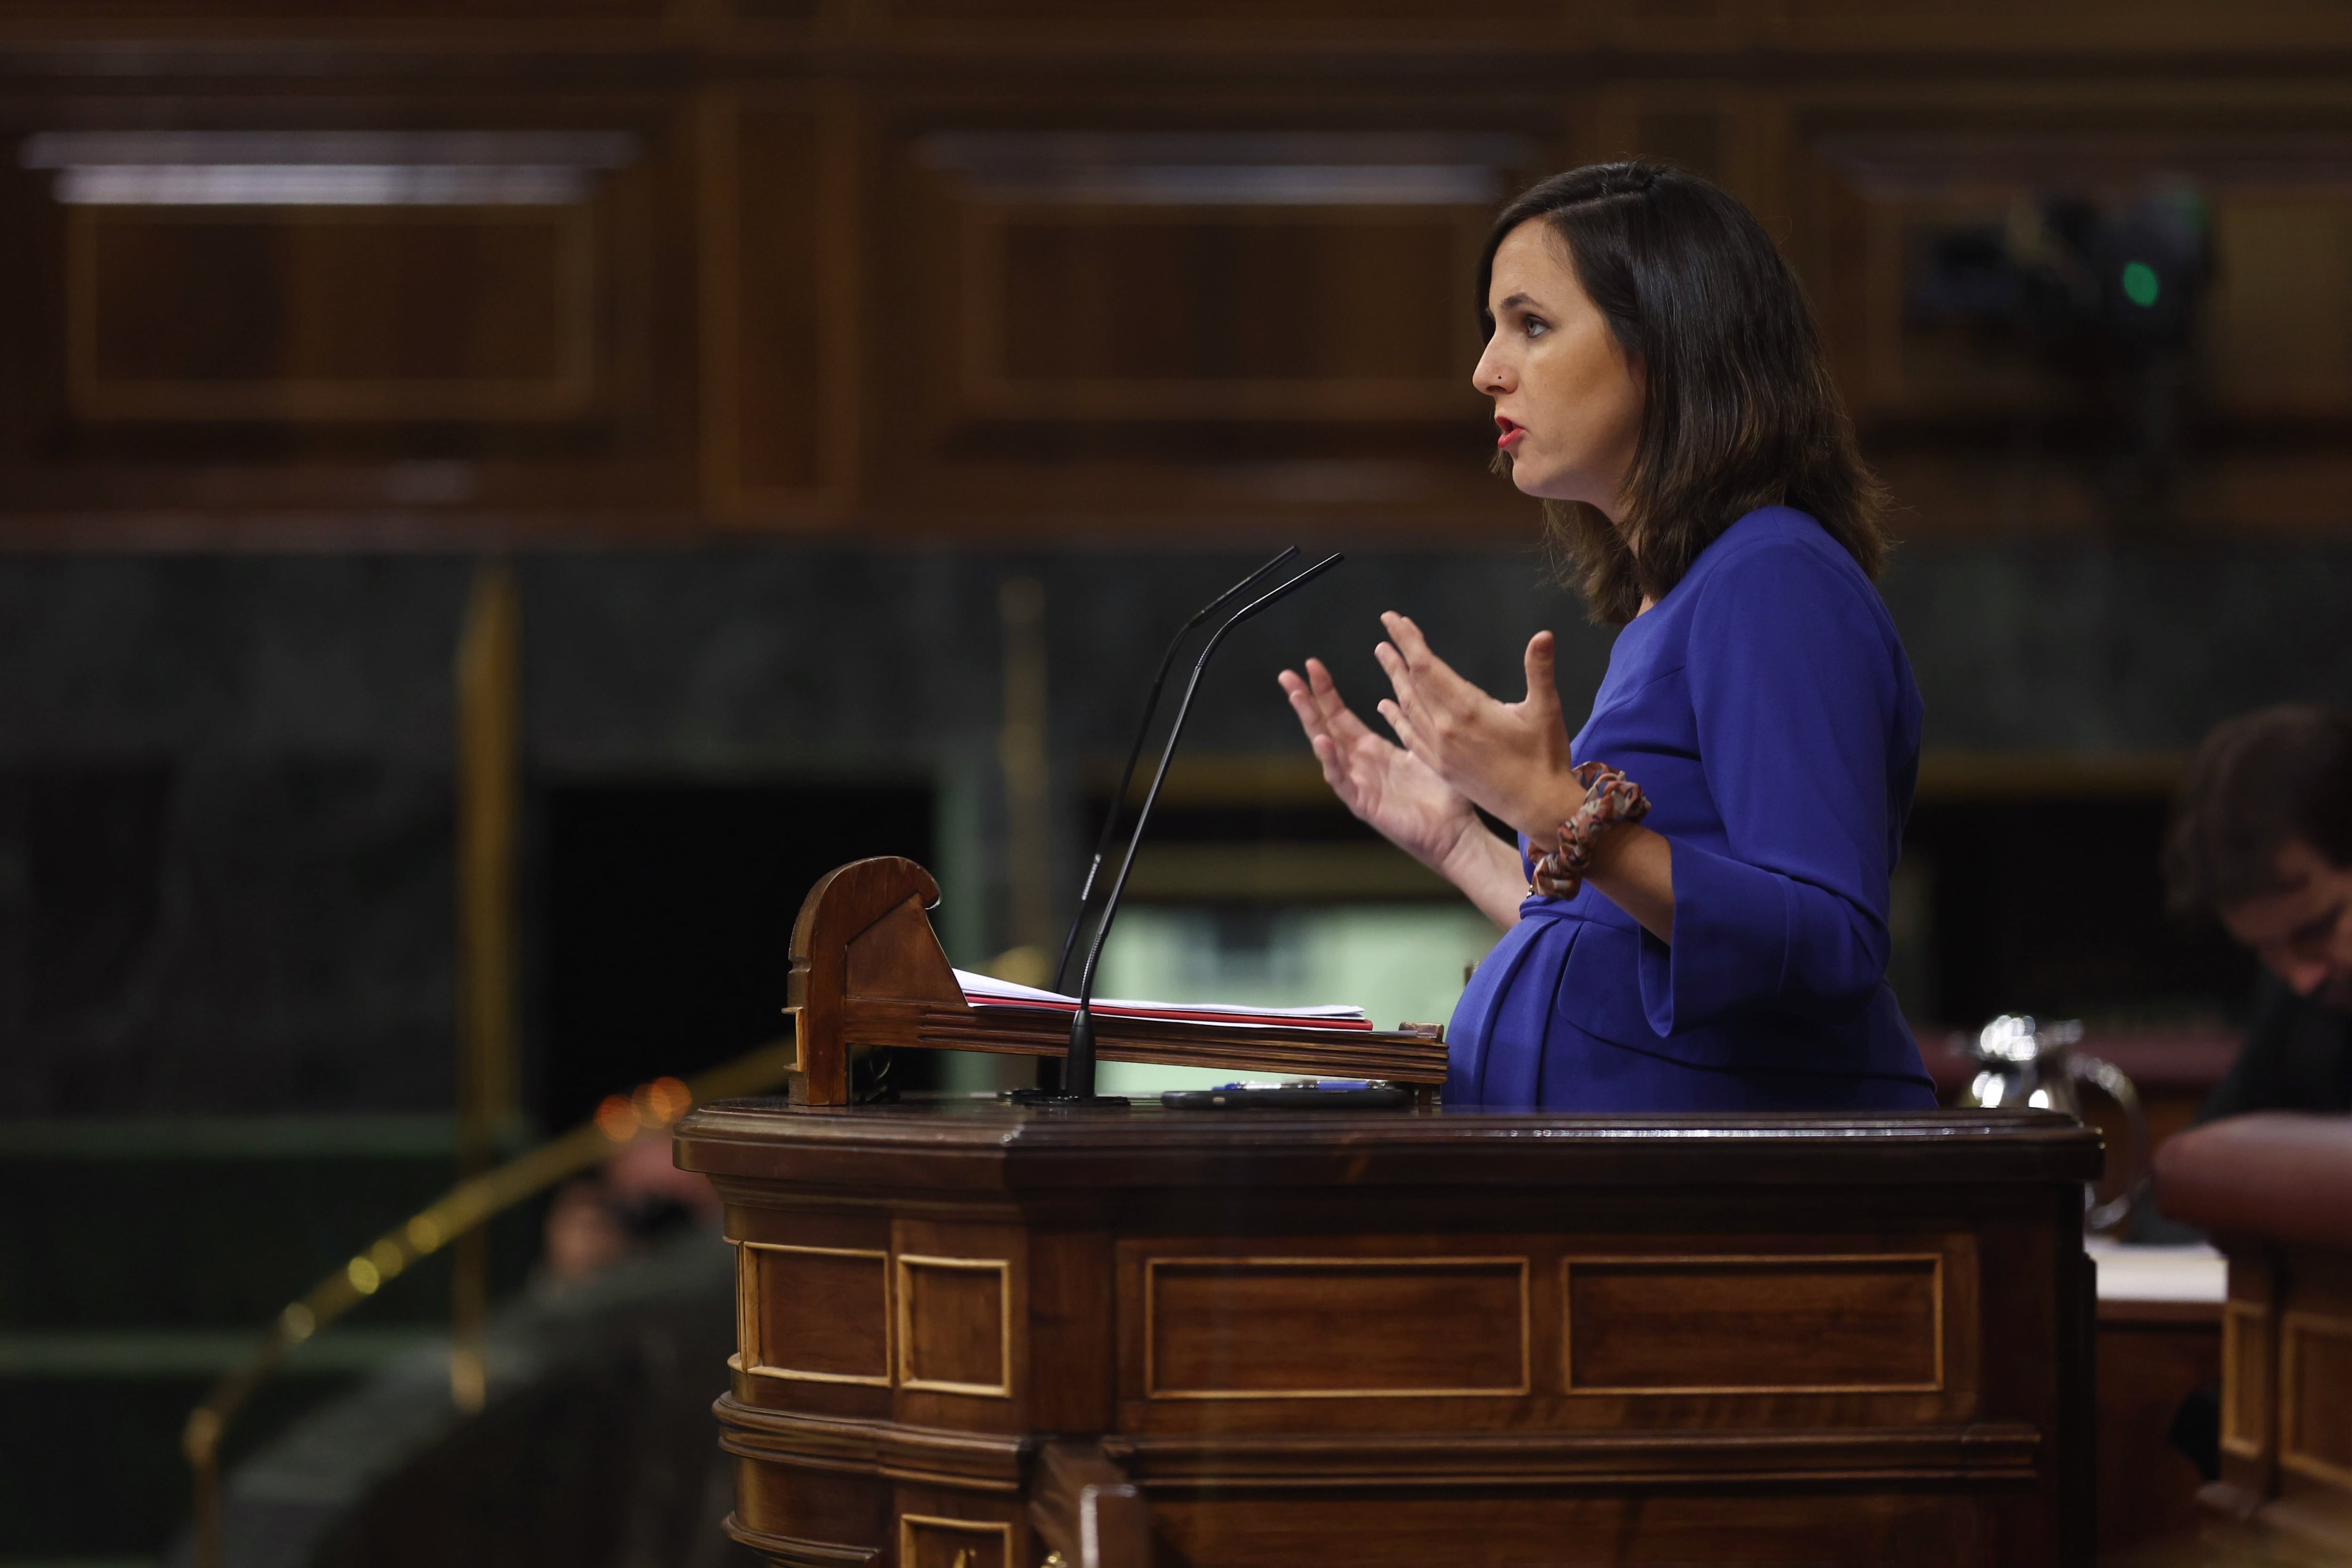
{"x":1380,"y":782}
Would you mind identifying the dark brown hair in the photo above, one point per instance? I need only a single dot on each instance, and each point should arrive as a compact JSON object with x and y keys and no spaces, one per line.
{"x":2258,"y":781}
{"x":1739,"y":411}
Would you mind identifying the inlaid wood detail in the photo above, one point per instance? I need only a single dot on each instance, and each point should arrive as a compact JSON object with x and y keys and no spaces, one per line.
{"x":955,"y":1325}
{"x":1335,"y":1328}
{"x":2315,"y":1418}
{"x":927,"y":1540}
{"x":814,"y":1314}
{"x":1831,"y":1324}
{"x":2245,"y":1379}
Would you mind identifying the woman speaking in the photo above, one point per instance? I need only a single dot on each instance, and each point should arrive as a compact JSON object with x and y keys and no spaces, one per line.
{"x":1697,"y":908}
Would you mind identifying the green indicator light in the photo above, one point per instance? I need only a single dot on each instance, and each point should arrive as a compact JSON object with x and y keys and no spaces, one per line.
{"x":2140,"y":285}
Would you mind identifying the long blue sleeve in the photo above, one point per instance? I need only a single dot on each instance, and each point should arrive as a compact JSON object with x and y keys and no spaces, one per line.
{"x":1797,"y":696}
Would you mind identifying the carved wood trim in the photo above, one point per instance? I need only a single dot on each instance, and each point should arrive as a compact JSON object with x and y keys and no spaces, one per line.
{"x":1982,"y":1451}
{"x":924,"y":1456}
{"x":2296,"y":1327}
{"x":843,"y":905}
{"x":1002,"y":1268}
{"x":1976,"y":1452}
{"x":994,"y":1529}
{"x":2245,"y":1344}
{"x":795,"y":1552}
{"x":750,"y":1307}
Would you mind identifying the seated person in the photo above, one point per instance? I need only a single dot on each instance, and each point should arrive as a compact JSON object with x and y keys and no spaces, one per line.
{"x":2262,"y":837}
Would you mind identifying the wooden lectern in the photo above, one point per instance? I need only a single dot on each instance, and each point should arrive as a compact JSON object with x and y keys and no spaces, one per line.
{"x":971,"y":1335}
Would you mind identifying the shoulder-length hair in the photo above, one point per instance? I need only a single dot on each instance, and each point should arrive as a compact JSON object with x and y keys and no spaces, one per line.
{"x":1739,"y":411}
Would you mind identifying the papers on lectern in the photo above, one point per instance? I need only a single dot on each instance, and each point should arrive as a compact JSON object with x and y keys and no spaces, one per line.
{"x":982,"y":990}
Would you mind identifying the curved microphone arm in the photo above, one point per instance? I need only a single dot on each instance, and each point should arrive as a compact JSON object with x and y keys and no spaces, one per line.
{"x":1078,"y":1081}
{"x":1135,"y":753}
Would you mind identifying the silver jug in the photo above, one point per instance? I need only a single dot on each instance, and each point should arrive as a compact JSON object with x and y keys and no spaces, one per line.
{"x":2022,"y":1062}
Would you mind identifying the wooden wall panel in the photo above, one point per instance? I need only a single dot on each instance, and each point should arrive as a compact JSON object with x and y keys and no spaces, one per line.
{"x":796,"y":312}
{"x":2278,"y":337}
{"x":1186,"y":314}
{"x":780,"y":239}
{"x":1160,"y":322}
{"x":332,"y":313}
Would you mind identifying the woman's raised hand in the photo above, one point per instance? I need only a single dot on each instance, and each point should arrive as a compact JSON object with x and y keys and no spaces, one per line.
{"x":1380,"y":782}
{"x":1510,"y":757}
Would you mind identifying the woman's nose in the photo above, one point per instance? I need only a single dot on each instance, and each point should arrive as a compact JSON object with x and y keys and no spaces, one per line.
{"x":1491,"y":377}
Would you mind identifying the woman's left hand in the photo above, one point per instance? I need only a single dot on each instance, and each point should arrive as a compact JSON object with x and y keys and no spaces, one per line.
{"x":1510,"y":757}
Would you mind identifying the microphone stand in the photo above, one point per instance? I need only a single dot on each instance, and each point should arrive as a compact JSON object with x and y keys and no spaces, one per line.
{"x":1135,"y":753}
{"x":1079,"y":1065}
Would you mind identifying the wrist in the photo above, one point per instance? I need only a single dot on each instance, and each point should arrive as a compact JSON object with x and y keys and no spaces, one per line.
{"x":1559,"y":804}
{"x":1611,"y":802}
{"x":1470,"y":854}
{"x":1609,"y":854}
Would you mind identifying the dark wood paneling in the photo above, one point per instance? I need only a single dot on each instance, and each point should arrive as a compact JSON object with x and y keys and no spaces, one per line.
{"x":779,"y":244}
{"x":798,"y":319}
{"x":925,"y":1541}
{"x":277,"y":14}
{"x":1146,"y":314}
{"x":484,"y":314}
{"x":1835,"y":1324}
{"x":1505,"y":1527}
{"x":2315,"y":1416}
{"x":823,"y":1314}
{"x":955,"y":1325}
{"x":1335,"y":1327}
{"x":2147,"y":1487}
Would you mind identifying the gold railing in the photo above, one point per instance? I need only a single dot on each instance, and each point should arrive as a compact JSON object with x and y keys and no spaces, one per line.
{"x":458,"y":1213}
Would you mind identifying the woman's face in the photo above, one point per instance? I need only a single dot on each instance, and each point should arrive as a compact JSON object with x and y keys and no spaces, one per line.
{"x":1567,"y":402}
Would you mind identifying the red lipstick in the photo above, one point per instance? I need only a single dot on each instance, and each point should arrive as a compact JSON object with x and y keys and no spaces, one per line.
{"x":1511,"y":432}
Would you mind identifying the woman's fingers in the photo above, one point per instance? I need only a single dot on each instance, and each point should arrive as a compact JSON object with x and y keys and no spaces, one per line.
{"x":1543,"y":684}
{"x":1408,"y":732}
{"x":1339,"y":719}
{"x":1336,"y":736}
{"x":1439,"y":692}
{"x":1419,"y":658}
{"x":1302,"y":703}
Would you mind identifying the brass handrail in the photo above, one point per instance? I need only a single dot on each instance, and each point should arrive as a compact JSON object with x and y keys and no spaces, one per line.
{"x":463,"y":1209}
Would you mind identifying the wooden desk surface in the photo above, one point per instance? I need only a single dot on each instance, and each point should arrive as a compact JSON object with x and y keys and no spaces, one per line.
{"x":992,"y":1143}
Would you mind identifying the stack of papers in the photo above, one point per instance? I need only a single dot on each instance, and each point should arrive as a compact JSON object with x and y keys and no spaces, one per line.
{"x":983,"y":992}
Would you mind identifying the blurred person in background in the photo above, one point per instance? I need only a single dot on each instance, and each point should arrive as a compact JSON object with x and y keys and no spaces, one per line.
{"x":2262,"y":838}
{"x":637,"y":1199}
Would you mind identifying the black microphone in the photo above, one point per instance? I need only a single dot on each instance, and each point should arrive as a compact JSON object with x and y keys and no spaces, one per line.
{"x":1079,"y":1065}
{"x":1135,"y":753}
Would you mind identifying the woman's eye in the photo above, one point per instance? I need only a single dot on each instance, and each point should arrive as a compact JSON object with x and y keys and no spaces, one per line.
{"x":1534,"y":327}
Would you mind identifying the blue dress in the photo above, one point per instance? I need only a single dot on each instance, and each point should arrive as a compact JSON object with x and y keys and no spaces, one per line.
{"x":1765,"y":708}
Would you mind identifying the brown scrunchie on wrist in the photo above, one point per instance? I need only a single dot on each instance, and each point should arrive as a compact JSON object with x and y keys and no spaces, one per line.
{"x":1609,"y":798}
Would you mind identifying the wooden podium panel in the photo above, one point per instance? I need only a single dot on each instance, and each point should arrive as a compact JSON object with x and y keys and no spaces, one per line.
{"x":1247,"y":1337}
{"x":1410,"y":1337}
